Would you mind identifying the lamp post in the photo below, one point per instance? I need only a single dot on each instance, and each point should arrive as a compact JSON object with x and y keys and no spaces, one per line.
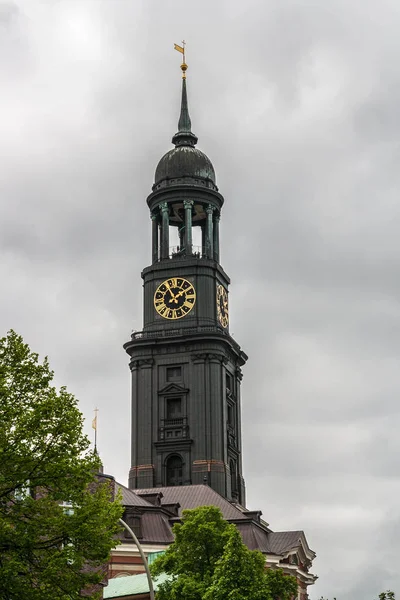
{"x":145,"y":563}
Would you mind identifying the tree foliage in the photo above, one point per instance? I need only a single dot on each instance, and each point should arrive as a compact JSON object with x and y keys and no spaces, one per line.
{"x":209,"y":561}
{"x":239,"y":573}
{"x":281,"y":586}
{"x":47,"y":550}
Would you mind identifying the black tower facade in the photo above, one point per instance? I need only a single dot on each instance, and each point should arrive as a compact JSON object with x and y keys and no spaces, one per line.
{"x":186,"y":368}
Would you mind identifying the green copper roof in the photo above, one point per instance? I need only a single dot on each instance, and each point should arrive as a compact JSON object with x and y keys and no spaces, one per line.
{"x":184,"y":161}
{"x":151,"y":557}
{"x":131,"y":585}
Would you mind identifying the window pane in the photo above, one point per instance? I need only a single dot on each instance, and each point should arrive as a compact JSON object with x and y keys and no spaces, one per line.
{"x":174,"y":373}
{"x":174,"y":408}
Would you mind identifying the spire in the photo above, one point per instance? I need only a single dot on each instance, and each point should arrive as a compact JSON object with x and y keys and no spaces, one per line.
{"x":184,"y":136}
{"x":184,"y":123}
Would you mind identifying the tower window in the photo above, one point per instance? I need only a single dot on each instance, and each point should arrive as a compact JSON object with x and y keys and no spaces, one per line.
{"x":174,"y":373}
{"x":174,"y":408}
{"x":174,"y":469}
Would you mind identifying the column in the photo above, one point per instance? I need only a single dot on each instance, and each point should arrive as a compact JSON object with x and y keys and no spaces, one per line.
{"x":209,"y":231}
{"x":164,"y":230}
{"x":188,"y":204}
{"x":216,"y":237}
{"x":154,"y":237}
{"x":181,"y":233}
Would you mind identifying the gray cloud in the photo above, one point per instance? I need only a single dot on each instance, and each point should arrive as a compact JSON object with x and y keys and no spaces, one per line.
{"x":297,"y":106}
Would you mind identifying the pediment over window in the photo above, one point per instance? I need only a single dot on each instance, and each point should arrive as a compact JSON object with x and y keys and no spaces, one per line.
{"x":173,"y":388}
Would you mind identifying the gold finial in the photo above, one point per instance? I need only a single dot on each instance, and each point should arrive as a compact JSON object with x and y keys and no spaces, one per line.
{"x":181,"y":49}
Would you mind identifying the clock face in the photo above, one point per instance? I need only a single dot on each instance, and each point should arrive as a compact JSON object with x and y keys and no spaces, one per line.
{"x":174,"y":298}
{"x":222,"y":305}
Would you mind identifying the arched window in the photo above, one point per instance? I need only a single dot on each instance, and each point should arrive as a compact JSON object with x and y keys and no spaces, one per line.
{"x":174,"y":468}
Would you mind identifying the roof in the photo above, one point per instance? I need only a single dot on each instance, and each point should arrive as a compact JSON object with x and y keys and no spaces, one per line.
{"x":270,"y":542}
{"x":156,"y":528}
{"x":254,"y":537}
{"x":184,"y":161}
{"x":129,"y":498}
{"x":283,"y":541}
{"x":129,"y":585}
{"x":193,"y":496}
{"x":157,"y":520}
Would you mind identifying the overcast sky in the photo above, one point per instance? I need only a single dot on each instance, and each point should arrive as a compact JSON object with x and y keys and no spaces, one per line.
{"x":297,"y":105}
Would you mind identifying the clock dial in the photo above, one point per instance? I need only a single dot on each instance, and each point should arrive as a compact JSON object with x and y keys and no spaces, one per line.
{"x":222,"y":305}
{"x":174,"y":298}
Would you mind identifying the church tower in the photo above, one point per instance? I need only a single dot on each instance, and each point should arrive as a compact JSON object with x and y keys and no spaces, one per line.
{"x":186,"y":367}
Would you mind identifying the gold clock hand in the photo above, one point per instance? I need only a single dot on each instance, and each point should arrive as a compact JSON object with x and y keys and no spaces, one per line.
{"x":180,"y":293}
{"x":170,"y":291}
{"x":177,"y":296}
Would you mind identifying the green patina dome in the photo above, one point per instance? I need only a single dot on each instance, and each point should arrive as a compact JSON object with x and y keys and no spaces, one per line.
{"x":184,"y":161}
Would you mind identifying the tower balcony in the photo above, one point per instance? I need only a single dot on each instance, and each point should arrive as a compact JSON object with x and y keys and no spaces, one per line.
{"x":200,"y":333}
{"x":178,"y":331}
{"x":172,"y":429}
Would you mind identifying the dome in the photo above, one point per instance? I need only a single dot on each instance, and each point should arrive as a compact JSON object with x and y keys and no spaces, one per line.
{"x":184,"y":161}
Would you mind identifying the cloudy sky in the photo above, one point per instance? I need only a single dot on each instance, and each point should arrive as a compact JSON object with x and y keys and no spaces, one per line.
{"x":297,"y":104}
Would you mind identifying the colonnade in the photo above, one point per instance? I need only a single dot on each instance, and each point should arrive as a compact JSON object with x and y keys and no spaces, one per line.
{"x":209,"y":232}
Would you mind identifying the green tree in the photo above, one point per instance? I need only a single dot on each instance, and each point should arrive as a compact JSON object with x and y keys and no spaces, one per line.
{"x":57,"y":522}
{"x":239,"y":574}
{"x":280,"y":585}
{"x":208,"y":561}
{"x":191,"y":558}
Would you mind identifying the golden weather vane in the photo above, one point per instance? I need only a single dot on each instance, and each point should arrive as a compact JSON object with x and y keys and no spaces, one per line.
{"x":181,"y":49}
